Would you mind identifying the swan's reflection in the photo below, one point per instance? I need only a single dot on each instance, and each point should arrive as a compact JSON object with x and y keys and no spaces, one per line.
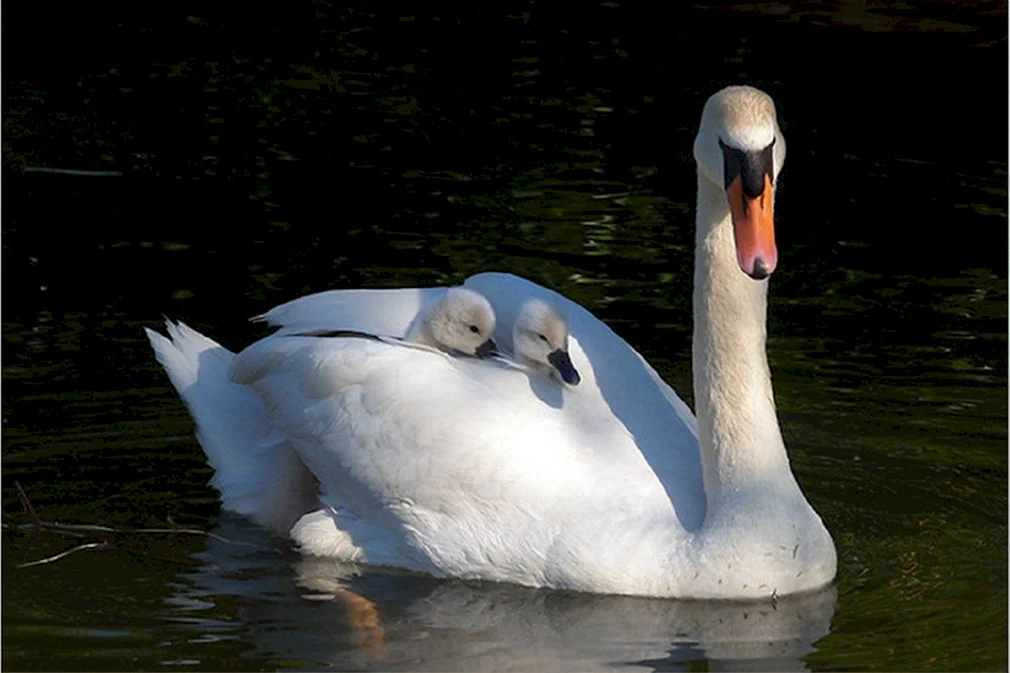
{"x":316,"y":610}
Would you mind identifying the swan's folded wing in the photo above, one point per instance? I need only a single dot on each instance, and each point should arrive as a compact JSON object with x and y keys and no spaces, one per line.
{"x":388,"y":312}
{"x":319,"y":366}
{"x":679,"y":405}
{"x":349,"y":381}
{"x":397,"y":432}
{"x":329,"y":397}
{"x":368,"y":405}
{"x":455,"y":464}
{"x":266,"y":356}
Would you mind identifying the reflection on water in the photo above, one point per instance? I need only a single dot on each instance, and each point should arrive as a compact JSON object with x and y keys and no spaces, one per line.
{"x":269,"y":155}
{"x":333,"y":615}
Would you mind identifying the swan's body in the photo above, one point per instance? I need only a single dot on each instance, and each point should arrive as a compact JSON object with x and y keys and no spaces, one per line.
{"x":463,"y":468}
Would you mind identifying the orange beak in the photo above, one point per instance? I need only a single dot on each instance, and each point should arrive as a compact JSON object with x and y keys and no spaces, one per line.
{"x":753,"y":228}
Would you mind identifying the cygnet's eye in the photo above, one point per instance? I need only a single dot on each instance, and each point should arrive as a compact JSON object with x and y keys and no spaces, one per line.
{"x":474,"y":329}
{"x":542,"y":338}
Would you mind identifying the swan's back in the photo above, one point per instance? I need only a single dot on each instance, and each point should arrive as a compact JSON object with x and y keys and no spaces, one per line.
{"x":631,"y":392}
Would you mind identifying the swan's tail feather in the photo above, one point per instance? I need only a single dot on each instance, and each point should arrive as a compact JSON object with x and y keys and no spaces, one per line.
{"x":255,"y":470}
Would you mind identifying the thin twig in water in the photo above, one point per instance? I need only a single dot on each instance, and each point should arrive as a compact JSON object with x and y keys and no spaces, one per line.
{"x":68,"y":552}
{"x":73,"y":171}
{"x":108,"y":529}
{"x":28,"y":506}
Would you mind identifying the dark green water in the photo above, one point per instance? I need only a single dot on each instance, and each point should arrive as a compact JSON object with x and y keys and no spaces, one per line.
{"x":267,"y":155}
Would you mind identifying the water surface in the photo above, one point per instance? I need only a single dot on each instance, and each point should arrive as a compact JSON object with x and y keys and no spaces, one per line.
{"x":266,"y":156}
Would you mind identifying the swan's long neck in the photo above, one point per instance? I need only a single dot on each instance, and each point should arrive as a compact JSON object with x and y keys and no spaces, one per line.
{"x":741,"y":445}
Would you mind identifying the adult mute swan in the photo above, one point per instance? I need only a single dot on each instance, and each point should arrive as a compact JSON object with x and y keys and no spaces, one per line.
{"x":457,"y":467}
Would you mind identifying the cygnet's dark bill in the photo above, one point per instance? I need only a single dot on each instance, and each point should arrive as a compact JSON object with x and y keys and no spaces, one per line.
{"x":563,"y":364}
{"x":486,"y":350}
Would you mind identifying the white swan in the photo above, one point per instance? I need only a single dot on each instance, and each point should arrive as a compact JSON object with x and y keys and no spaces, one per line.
{"x":540,"y":340}
{"x":459,"y":468}
{"x":460,"y":321}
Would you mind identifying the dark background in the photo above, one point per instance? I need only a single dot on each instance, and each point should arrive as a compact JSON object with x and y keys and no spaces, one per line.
{"x":859,"y":87}
{"x":268,"y":152}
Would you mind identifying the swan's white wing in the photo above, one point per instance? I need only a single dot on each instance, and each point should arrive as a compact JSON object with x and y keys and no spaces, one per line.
{"x":387,"y":312}
{"x":456,"y":466}
{"x":679,"y":406}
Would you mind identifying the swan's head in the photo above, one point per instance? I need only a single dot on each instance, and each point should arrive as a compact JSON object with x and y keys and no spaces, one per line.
{"x":740,"y":149}
{"x":540,"y":335}
{"x":462,"y":320}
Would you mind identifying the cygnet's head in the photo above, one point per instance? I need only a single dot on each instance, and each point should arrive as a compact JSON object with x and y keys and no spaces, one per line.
{"x":740,"y":149}
{"x":462,"y":320}
{"x":540,"y":336}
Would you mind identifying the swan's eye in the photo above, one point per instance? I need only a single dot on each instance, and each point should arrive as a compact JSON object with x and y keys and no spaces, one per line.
{"x":474,"y":329}
{"x":542,"y":338}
